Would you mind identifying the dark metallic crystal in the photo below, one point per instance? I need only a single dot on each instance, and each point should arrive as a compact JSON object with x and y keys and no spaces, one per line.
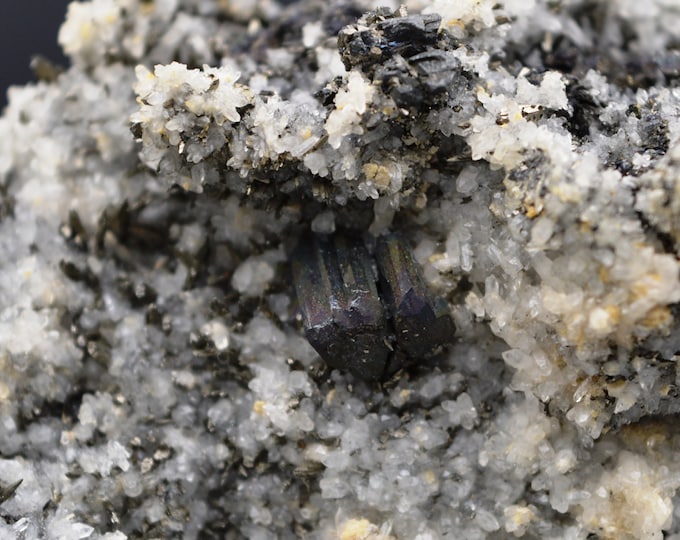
{"x":354,"y":324}
{"x":343,"y":315}
{"x":421,"y":322}
{"x":381,"y":34}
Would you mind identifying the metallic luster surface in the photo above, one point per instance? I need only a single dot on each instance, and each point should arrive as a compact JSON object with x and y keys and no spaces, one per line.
{"x":369,"y":324}
{"x":342,"y":312}
{"x":420,"y":320}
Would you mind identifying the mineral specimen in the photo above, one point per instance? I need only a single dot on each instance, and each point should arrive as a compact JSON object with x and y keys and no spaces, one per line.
{"x":154,"y":382}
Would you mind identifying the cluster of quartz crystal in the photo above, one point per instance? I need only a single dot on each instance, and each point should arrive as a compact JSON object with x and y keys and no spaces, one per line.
{"x":155,"y":381}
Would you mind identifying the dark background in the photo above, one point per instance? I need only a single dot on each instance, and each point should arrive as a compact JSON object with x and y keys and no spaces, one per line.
{"x":27,"y":28}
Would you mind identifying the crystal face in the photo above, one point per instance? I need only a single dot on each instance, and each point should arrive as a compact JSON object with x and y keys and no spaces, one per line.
{"x":369,"y":324}
{"x":421,"y":321}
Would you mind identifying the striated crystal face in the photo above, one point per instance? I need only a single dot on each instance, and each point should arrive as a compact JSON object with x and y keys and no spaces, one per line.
{"x":343,"y":316}
{"x":421,"y":321}
{"x":372,"y":329}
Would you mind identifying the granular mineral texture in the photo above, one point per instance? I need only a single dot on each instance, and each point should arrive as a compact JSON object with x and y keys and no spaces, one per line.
{"x":155,"y":377}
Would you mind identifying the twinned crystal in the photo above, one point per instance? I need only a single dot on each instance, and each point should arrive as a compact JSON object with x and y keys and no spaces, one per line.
{"x":344,"y":317}
{"x":351,"y":323}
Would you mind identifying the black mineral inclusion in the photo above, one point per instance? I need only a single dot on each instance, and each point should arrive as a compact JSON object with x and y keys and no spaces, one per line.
{"x":372,"y":325}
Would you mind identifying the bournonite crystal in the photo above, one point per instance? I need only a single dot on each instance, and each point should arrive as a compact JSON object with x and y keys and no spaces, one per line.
{"x":155,"y":379}
{"x":353,"y":326}
{"x":421,"y":321}
{"x":343,"y":316}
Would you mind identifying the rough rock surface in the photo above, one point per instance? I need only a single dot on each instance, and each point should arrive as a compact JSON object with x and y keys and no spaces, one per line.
{"x":155,"y":381}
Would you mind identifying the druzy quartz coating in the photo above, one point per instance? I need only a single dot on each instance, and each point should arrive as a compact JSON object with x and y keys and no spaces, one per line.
{"x":368,"y":318}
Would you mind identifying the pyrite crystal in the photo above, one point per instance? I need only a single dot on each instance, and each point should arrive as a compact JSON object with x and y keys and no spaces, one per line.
{"x":354,"y":325}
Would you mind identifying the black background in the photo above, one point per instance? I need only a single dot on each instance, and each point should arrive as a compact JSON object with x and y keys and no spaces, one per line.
{"x":27,"y":28}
